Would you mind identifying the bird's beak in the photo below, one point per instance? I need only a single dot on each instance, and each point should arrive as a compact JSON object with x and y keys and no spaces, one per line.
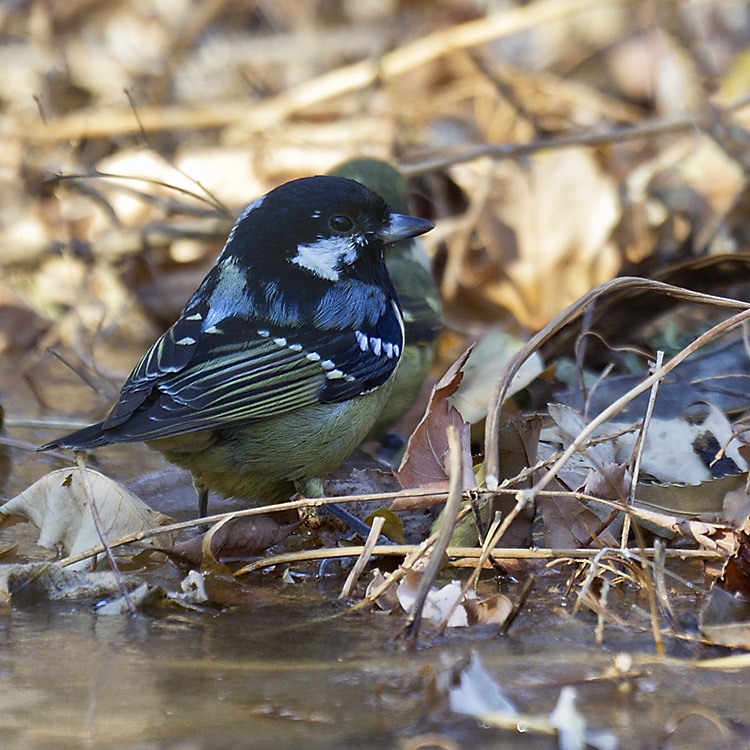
{"x":402,"y":227}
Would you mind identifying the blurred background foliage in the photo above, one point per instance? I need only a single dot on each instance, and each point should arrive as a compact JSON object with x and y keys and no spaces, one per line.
{"x":556,"y":144}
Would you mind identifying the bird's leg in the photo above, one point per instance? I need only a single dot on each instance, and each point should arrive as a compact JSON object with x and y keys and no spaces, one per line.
{"x":202,"y":499}
{"x":314,"y":488}
{"x":391,"y":449}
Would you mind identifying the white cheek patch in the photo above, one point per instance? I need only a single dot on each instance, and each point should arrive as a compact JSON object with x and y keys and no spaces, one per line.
{"x":325,"y":256}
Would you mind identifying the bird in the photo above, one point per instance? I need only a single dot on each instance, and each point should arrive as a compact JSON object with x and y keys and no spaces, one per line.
{"x":281,"y":361}
{"x":409,"y":268}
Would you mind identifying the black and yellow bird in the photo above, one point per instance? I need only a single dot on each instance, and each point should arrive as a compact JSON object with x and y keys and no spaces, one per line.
{"x":409,"y":268}
{"x":282,"y":360}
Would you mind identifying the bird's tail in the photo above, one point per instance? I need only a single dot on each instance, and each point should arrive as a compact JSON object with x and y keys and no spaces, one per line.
{"x":88,"y":437}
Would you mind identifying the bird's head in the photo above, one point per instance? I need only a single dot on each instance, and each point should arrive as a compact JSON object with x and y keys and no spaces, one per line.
{"x":328,"y":227}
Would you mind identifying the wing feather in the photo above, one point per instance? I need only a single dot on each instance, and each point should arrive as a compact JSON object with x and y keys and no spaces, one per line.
{"x":238,"y":374}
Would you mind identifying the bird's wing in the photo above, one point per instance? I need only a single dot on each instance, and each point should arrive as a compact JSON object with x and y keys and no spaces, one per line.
{"x":235,"y":371}
{"x":422,"y":318}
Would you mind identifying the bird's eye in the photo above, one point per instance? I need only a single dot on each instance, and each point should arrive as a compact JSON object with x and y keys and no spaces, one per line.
{"x":340,"y":223}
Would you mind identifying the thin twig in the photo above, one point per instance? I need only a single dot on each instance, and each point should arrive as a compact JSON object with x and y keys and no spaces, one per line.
{"x":669,"y":522}
{"x":488,"y":546}
{"x":413,"y":555}
{"x":254,"y":118}
{"x":80,"y":461}
{"x":570,"y":314}
{"x":447,"y":526}
{"x":497,"y":151}
{"x":139,"y":536}
{"x":624,"y":400}
{"x":363,"y":559}
{"x":640,"y":445}
{"x":465,"y":553}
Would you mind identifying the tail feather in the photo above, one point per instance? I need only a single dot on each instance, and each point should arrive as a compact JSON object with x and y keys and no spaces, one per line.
{"x":88,"y":437}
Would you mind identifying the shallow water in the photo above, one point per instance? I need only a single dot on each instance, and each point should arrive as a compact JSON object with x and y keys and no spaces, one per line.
{"x":292,"y":669}
{"x":289,"y":670}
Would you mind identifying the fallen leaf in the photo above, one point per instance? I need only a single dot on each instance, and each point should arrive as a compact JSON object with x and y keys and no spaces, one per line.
{"x":481,"y":371}
{"x":684,"y":450}
{"x":238,"y":539}
{"x":609,"y":482}
{"x":725,"y":617}
{"x":465,"y":611}
{"x":476,"y":692}
{"x":393,"y":526}
{"x":713,"y":497}
{"x":495,"y":610}
{"x":387,"y":601}
{"x":424,"y":462}
{"x":57,"y":505}
{"x":546,"y":225}
{"x":568,"y":523}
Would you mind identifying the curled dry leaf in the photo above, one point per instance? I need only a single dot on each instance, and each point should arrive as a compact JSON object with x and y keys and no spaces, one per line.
{"x":480,"y":373}
{"x":57,"y":505}
{"x":465,"y":612}
{"x":424,"y":462}
{"x":518,"y":441}
{"x":725,"y":617}
{"x":569,"y":523}
{"x":238,"y":539}
{"x":536,"y":272}
{"x":387,"y":601}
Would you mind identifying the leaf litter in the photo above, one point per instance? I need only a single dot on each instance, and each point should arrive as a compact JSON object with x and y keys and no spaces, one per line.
{"x":544,"y":185}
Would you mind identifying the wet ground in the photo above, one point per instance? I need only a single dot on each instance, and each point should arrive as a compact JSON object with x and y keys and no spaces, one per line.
{"x":293,"y":668}
{"x":286,"y":671}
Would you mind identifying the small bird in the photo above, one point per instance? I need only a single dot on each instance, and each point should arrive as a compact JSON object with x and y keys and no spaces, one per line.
{"x":282,"y":360}
{"x":409,"y":269}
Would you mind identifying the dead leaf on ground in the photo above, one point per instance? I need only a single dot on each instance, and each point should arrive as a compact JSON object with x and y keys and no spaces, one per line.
{"x":568,"y":523}
{"x":518,"y":441}
{"x":465,"y":611}
{"x":482,"y":369}
{"x":424,"y":463}
{"x":546,"y":225}
{"x":725,"y":617}
{"x":239,"y":539}
{"x":57,"y":505}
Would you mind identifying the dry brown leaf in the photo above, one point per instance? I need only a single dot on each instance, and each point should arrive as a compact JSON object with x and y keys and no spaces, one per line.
{"x":238,"y":539}
{"x":547,"y":224}
{"x":725,"y":618}
{"x":56,"y":504}
{"x":480,"y":373}
{"x":568,"y":523}
{"x":387,"y":601}
{"x":495,"y":610}
{"x":424,"y":462}
{"x":610,"y":482}
{"x":465,"y":611}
